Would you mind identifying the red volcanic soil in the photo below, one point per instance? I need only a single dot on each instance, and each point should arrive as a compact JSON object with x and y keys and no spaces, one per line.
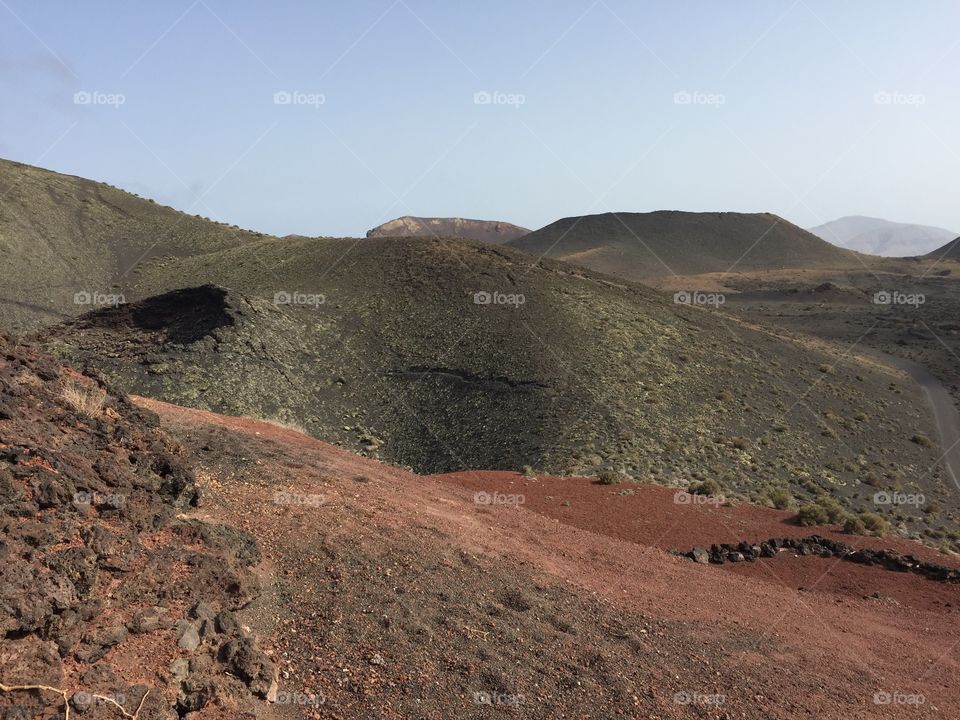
{"x":653,"y":515}
{"x":397,"y":595}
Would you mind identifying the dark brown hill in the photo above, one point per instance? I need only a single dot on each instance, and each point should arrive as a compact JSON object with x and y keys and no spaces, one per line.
{"x":950,"y":251}
{"x":643,"y":245}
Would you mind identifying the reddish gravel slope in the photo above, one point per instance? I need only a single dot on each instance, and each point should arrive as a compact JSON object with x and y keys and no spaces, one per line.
{"x":395,"y":595}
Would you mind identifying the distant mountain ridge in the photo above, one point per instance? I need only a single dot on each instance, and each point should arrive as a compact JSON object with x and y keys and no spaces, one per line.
{"x":491,"y":231}
{"x":876,"y":236}
{"x":412,"y":351}
{"x":667,"y":242}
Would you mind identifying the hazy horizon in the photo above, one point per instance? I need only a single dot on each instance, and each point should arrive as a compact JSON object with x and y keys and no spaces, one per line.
{"x":524,"y":114}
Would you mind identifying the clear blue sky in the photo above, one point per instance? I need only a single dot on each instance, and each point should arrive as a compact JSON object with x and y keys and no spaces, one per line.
{"x":783,"y":114}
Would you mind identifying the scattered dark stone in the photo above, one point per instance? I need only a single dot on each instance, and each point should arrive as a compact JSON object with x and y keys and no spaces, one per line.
{"x":150,"y":620}
{"x":195,"y":694}
{"x":108,"y":636}
{"x":188,"y":636}
{"x":90,"y":609}
{"x":202,"y":611}
{"x":180,"y":669}
{"x":249,"y":663}
{"x":98,"y":539}
{"x":97,"y":643}
{"x":179,"y":482}
{"x":100,"y":675}
{"x":821,"y":547}
{"x":227,"y":623}
{"x":201,"y":664}
{"x":700,"y":555}
{"x":29,"y":660}
{"x":51,"y":490}
{"x":77,"y":564}
{"x":221,"y":537}
{"x":10,"y":491}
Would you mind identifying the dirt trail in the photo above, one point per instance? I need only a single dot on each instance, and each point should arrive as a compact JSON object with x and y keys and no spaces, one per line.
{"x":944,"y":410}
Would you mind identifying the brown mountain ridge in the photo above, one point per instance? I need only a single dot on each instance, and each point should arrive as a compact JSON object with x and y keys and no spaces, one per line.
{"x":490,"y":231}
{"x":667,"y":242}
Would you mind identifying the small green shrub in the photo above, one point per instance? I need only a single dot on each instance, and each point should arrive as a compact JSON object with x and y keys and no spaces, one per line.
{"x":854,"y":526}
{"x":834,"y":510}
{"x":707,"y":487}
{"x":824,"y":511}
{"x":609,"y":477}
{"x":781,"y":499}
{"x":922,"y":440}
{"x":812,"y":514}
{"x":874,"y":524}
{"x":871,"y":479}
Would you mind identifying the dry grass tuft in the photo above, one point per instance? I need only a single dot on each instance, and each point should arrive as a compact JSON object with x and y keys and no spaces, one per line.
{"x":84,"y":399}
